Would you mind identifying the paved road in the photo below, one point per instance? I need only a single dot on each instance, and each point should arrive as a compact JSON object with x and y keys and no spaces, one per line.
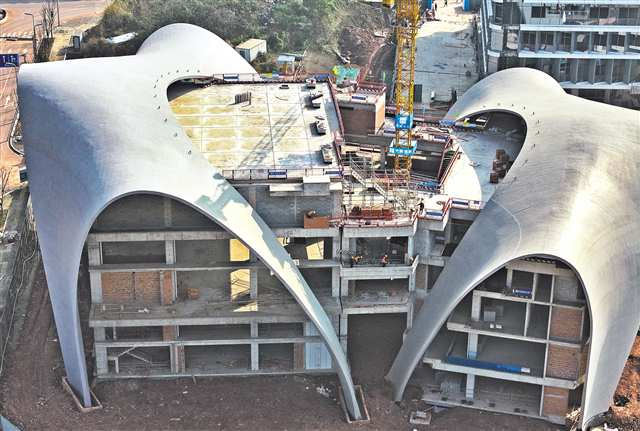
{"x":445,"y":53}
{"x":17,"y":24}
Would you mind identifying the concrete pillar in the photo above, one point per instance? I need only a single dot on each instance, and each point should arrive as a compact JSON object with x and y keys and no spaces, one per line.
{"x":574,"y":41}
{"x":609,"y":41}
{"x":335,"y":282}
{"x":535,"y":285}
{"x":537,"y":41}
{"x":627,"y":70}
{"x":472,"y":346}
{"x":94,"y":250}
{"x":556,"y":40}
{"x":335,"y":248}
{"x":476,"y":302}
{"x":555,"y":68}
{"x":527,"y":317}
{"x":592,"y":70}
{"x":590,"y":42}
{"x":102,"y":364}
{"x":410,"y":246}
{"x":509,"y":278}
{"x":627,"y":40}
{"x":471,"y":386}
{"x":608,"y":71}
{"x":170,"y":251}
{"x":99,"y":334}
{"x":344,"y":287}
{"x":412,"y":282}
{"x":573,"y":69}
{"x":167,"y":206}
{"x":255,"y":350}
{"x":253,"y":283}
{"x":344,"y":331}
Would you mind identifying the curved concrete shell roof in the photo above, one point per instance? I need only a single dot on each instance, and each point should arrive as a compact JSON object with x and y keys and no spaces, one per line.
{"x":96,"y":130}
{"x":573,"y":194}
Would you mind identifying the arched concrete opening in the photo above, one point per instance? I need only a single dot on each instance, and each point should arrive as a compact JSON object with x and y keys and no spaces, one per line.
{"x":176,"y":294}
{"x":517,"y":343}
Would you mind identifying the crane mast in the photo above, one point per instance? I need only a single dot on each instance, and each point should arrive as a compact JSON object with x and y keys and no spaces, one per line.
{"x":407,"y":22}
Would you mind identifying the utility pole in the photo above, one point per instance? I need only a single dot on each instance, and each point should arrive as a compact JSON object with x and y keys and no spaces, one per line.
{"x":33,"y":21}
{"x":58,"y":11}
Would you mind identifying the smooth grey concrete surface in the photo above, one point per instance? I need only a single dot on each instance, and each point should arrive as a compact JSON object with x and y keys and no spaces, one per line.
{"x":572,"y":195}
{"x":97,"y":130}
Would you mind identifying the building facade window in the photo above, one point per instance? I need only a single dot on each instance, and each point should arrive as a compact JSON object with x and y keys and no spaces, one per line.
{"x":538,"y":12}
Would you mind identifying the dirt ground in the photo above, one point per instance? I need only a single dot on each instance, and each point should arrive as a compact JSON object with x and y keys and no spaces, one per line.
{"x":32,"y":396}
{"x":626,"y":413}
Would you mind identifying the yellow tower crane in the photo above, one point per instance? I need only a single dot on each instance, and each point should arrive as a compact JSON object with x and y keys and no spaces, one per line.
{"x":407,"y":22}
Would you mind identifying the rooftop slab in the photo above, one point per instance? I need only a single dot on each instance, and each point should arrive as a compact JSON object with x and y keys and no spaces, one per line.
{"x":274,"y":130}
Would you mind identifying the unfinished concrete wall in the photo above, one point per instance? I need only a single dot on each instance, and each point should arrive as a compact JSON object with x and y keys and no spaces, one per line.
{"x":289,"y":210}
{"x":202,"y":252}
{"x":213,"y":284}
{"x":136,"y":212}
{"x":133,"y":252}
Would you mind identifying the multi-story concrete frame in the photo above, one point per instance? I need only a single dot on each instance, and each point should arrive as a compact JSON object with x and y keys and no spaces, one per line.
{"x":571,"y":197}
{"x":592,"y":48}
{"x":100,"y":130}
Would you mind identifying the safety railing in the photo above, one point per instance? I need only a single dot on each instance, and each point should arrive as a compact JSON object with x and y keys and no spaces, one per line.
{"x":279,"y":173}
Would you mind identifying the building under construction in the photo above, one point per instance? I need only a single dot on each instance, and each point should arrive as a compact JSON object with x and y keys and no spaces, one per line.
{"x":229,"y":227}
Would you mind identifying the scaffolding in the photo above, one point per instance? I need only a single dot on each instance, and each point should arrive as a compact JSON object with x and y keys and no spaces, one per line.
{"x":374,"y":193}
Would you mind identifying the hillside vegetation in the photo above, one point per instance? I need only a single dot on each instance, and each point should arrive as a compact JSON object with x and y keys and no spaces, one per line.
{"x":287,"y":25}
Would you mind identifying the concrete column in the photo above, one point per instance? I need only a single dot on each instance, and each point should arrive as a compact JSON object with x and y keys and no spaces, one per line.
{"x":167,"y":205}
{"x":344,"y":331}
{"x":99,"y":334}
{"x":471,"y":386}
{"x":412,"y":282}
{"x":609,"y":41}
{"x":472,"y":346}
{"x":535,"y":285}
{"x":627,"y":70}
{"x":94,"y":250}
{"x":102,"y":364}
{"x":537,"y":41}
{"x":476,"y":302}
{"x":344,"y":287}
{"x":590,"y":42}
{"x":555,"y":68}
{"x":527,"y":314}
{"x":608,"y":71}
{"x":574,"y":41}
{"x":335,"y":282}
{"x":335,"y":248}
{"x":509,"y":277}
{"x":556,"y":40}
{"x":170,"y":251}
{"x":253,"y":283}
{"x":592,"y":70}
{"x":410,"y":246}
{"x":255,"y":350}
{"x":627,"y":41}
{"x":573,"y":69}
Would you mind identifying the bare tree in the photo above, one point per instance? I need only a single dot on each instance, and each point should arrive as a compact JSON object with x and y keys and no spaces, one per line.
{"x":48,"y":13}
{"x":5,"y":176}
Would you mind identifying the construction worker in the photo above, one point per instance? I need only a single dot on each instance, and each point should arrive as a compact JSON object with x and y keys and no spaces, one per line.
{"x":384,"y":260}
{"x":355,"y":259}
{"x":421,"y":207}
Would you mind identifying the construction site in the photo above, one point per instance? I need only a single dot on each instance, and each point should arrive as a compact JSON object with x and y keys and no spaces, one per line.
{"x":243,"y":239}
